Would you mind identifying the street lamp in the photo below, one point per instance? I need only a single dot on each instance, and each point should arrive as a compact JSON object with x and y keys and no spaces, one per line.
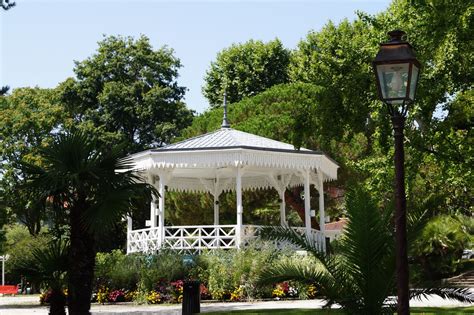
{"x":397,"y":70}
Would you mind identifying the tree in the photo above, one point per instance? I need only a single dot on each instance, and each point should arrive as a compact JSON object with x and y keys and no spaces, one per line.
{"x":28,"y":119}
{"x":127,"y":92}
{"x":7,"y":4}
{"x":338,"y":58}
{"x":48,"y":266}
{"x":246,"y":69}
{"x":360,"y":275}
{"x":440,"y":246}
{"x":18,"y":245}
{"x":93,"y":189}
{"x":4,"y":90}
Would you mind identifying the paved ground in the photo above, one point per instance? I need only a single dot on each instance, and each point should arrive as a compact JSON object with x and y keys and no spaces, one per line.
{"x":25,"y":305}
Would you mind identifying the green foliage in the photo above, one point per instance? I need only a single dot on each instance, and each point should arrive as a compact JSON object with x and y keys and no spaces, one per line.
{"x":287,"y":112}
{"x":228,"y":270}
{"x":19,"y":245}
{"x":93,"y":189}
{"x":360,"y":275}
{"x":28,"y":118}
{"x":166,"y":265}
{"x":440,"y":245}
{"x":127,"y":92}
{"x":338,"y":58}
{"x":246,"y":69}
{"x":49,"y":265}
{"x":116,"y":270}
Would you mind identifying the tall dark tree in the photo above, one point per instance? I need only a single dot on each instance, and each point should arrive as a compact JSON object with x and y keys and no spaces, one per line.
{"x":127,"y":92}
{"x":92,"y":188}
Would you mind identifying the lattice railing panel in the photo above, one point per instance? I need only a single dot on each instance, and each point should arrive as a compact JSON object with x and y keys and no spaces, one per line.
{"x":197,"y":238}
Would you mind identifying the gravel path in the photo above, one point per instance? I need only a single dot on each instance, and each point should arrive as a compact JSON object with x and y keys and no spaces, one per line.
{"x":25,"y":305}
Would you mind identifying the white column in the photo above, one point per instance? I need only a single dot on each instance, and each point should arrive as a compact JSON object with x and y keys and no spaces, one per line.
{"x":282,"y":208}
{"x":129,"y":229}
{"x":129,"y":224}
{"x":153,"y":212}
{"x":307,"y":205}
{"x":238,"y":230}
{"x":3,"y":270}
{"x":161,"y":210}
{"x":322,"y":215}
{"x":216,"y":209}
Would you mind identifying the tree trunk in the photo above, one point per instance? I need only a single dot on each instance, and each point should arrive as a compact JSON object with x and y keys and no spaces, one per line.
{"x":57,"y":302}
{"x":81,"y":264}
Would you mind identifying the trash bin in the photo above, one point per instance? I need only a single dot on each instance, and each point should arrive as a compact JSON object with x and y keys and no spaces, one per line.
{"x":191,"y":297}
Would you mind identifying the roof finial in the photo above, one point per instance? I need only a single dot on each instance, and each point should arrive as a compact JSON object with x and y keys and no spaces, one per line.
{"x":225,"y":122}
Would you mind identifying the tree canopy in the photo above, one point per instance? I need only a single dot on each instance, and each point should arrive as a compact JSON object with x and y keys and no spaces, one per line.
{"x":28,"y":119}
{"x":245,"y":70}
{"x":128,"y":92}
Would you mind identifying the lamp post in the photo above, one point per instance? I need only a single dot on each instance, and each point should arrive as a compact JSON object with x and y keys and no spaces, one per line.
{"x":396,"y":70}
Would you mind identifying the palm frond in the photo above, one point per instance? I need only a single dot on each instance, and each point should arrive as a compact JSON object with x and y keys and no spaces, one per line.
{"x":288,"y":235}
{"x":113,"y":205}
{"x":458,"y":294}
{"x":297,"y":271}
{"x":48,"y":265}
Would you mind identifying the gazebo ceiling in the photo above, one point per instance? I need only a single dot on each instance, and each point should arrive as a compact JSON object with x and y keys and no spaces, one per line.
{"x":196,"y":162}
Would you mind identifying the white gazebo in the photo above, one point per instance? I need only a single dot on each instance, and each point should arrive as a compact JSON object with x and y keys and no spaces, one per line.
{"x":220,"y":161}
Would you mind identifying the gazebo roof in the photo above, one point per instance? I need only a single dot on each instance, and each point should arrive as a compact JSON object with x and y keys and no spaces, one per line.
{"x":226,"y":138}
{"x":195,"y":163}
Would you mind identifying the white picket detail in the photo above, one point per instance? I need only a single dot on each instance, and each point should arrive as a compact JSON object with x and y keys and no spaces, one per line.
{"x":198,"y":238}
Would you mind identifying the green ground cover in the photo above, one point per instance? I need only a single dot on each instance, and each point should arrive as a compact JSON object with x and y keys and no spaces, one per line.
{"x":416,"y":310}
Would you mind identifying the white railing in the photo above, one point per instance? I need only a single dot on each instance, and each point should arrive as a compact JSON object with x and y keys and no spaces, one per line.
{"x":143,"y":240}
{"x":198,"y":238}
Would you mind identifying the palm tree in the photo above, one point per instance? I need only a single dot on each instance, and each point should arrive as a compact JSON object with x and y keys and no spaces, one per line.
{"x":48,"y":266}
{"x":360,"y":274}
{"x":93,"y":188}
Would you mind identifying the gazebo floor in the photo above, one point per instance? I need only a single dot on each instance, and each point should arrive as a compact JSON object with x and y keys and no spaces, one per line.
{"x":203,"y":237}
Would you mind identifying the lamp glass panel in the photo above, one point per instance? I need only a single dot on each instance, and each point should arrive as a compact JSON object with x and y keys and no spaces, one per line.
{"x":393,"y":80}
{"x":414,"y":79}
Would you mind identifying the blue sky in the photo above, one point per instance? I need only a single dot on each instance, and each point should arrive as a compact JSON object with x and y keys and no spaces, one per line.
{"x":40,"y":39}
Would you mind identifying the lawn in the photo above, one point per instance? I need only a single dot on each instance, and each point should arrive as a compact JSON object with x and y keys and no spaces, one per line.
{"x":417,"y":310}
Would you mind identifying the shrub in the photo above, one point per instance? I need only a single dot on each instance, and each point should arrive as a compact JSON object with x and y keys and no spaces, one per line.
{"x":439,"y":247}
{"x":117,"y":270}
{"x":19,"y":245}
{"x":228,"y":271}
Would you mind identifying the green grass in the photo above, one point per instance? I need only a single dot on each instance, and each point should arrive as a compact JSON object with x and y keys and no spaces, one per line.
{"x":416,"y":310}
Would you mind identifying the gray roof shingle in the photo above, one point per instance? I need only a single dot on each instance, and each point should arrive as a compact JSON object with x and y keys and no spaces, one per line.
{"x":228,"y":137}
